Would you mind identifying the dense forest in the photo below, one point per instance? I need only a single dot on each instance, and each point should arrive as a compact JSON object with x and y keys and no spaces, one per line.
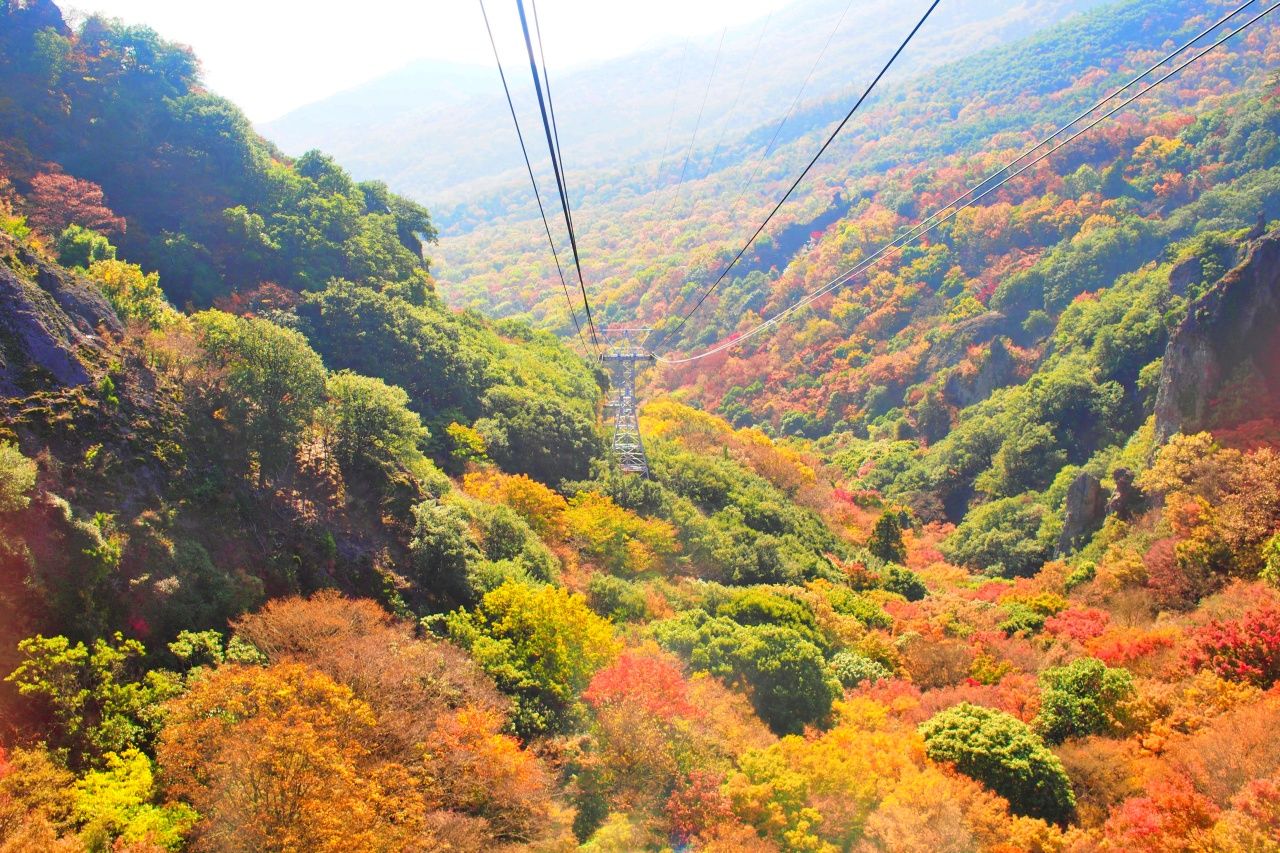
{"x":981,"y":554}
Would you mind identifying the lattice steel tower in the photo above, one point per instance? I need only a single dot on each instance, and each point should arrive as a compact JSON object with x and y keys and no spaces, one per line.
{"x":623,"y":360}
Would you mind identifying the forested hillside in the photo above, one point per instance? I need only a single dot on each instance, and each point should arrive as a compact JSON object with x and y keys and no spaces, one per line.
{"x":982,"y":554}
{"x":912,"y":148}
{"x":627,"y":122}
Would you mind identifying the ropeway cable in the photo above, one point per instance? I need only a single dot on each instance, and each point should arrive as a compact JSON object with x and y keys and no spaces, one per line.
{"x":927,"y":226}
{"x":862,"y":99}
{"x":536,"y":192}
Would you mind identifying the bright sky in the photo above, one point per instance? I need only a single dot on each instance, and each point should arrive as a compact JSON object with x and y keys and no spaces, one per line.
{"x":270,"y":56}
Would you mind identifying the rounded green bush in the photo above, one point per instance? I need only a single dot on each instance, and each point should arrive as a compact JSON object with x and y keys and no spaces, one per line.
{"x":1003,"y":753}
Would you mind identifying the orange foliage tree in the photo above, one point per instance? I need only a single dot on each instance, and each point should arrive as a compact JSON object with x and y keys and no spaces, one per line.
{"x":407,"y":681}
{"x":437,"y":713}
{"x":471,"y":766}
{"x":280,"y":758}
{"x":538,"y":505}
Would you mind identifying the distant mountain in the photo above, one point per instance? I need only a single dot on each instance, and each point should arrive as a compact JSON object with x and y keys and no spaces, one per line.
{"x":417,"y":89}
{"x":443,"y":135}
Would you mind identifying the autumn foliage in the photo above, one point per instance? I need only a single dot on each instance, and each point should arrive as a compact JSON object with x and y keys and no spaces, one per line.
{"x":59,"y":200}
{"x":280,"y":757}
{"x":963,"y":557}
{"x":1245,"y":649}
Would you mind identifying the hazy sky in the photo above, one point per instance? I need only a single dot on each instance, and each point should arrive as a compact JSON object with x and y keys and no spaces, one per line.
{"x":270,"y":56}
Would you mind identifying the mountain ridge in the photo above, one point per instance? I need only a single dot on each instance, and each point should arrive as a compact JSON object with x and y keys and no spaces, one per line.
{"x":649,"y":78}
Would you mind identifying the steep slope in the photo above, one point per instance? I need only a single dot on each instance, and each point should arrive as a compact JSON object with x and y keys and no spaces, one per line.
{"x":48,"y":325}
{"x":1222,"y":363}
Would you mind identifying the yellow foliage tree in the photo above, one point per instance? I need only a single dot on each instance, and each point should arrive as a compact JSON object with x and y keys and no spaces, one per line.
{"x":538,"y":505}
{"x":618,"y":539}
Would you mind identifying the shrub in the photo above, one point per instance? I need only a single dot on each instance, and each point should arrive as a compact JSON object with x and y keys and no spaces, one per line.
{"x":1244,"y":649}
{"x":1084,"y":697}
{"x":1168,"y":816}
{"x":936,"y":661}
{"x":1004,"y":754}
{"x":541,"y":644}
{"x":1271,"y":562}
{"x":135,"y":295}
{"x":95,"y":699}
{"x":1125,"y":645}
{"x":115,"y":803}
{"x":17,"y":478}
{"x":616,"y":538}
{"x":80,"y":247}
{"x":789,"y":682}
{"x":1027,"y":614}
{"x":538,"y":435}
{"x":617,"y":599}
{"x":1081,"y":574}
{"x":1000,"y":538}
{"x":760,"y":606}
{"x":505,"y":536}
{"x":905,"y":583}
{"x":846,"y":602}
{"x":852,"y":669}
{"x":1079,"y":624}
{"x":1022,"y":619}
{"x":368,"y":422}
{"x":652,"y":681}
{"x":274,"y":381}
{"x":442,"y":548}
{"x":1253,"y":822}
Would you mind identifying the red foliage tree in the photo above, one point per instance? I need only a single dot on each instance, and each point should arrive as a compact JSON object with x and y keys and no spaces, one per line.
{"x":58,"y":200}
{"x":1078,"y":624}
{"x":698,"y":806}
{"x":1244,"y":649}
{"x":1123,"y":646}
{"x":267,"y":296}
{"x":1169,"y":816}
{"x":1254,"y":815}
{"x":653,"y":681}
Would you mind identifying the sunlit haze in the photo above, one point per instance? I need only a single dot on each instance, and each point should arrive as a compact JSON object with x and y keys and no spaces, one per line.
{"x":276,"y":56}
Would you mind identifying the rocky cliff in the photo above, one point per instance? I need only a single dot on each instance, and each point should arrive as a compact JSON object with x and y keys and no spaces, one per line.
{"x":1229,"y":340}
{"x":51,"y":324}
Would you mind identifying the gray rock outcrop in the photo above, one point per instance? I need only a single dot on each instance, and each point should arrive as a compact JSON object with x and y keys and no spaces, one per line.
{"x":50,"y":322}
{"x":1231,"y":330}
{"x":1086,"y":508}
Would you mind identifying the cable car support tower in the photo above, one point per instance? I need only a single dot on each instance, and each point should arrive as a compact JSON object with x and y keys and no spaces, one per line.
{"x":624,"y":359}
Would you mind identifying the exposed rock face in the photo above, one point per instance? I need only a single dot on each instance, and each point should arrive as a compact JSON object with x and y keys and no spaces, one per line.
{"x":1230,"y":331}
{"x":1185,"y":274}
{"x":1085,"y":510}
{"x":975,"y":330}
{"x":1127,"y":500}
{"x":998,"y":369}
{"x":1259,"y":228}
{"x":49,"y":324}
